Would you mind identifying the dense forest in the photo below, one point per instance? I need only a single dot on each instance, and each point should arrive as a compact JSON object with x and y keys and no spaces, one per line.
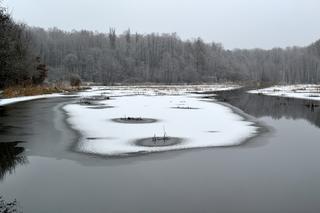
{"x":29,"y":54}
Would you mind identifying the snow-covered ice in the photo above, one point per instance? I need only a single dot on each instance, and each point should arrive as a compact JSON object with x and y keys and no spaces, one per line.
{"x":129,"y":90}
{"x":7,"y":101}
{"x":205,"y":124}
{"x":301,"y":91}
{"x":157,"y":89}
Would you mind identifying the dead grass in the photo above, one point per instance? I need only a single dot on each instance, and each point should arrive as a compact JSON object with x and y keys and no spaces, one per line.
{"x":18,"y":91}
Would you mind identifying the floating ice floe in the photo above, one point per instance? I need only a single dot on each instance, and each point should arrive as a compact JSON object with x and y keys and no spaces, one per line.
{"x":208,"y":124}
{"x":300,"y":91}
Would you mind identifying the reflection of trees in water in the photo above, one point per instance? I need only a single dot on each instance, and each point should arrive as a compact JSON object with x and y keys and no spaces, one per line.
{"x":10,"y":157}
{"x":276,"y":107}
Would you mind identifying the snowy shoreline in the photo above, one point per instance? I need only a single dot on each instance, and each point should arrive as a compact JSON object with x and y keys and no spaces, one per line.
{"x":130,"y":90}
{"x":299,"y":91}
{"x":7,"y":101}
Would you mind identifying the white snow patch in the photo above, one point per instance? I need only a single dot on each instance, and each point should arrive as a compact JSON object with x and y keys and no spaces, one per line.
{"x":129,"y":90}
{"x":211,"y":125}
{"x":7,"y":101}
{"x":157,"y":89}
{"x":300,"y":91}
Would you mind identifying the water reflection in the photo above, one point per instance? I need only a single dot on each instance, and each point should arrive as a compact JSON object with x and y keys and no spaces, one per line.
{"x":12,"y":132}
{"x":11,"y":155}
{"x":275,"y":107}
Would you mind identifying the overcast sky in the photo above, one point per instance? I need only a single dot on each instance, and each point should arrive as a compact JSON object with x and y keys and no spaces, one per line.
{"x":234,"y":23}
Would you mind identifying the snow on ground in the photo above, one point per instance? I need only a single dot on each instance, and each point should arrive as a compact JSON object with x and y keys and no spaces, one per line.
{"x":130,"y":90}
{"x":157,"y":89}
{"x":201,"y":123}
{"x":301,"y":91}
{"x":7,"y":101}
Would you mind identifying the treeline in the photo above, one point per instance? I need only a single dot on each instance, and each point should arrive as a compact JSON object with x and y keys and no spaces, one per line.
{"x":134,"y":58}
{"x":128,"y":57}
{"x":13,"y":51}
{"x":18,"y":63}
{"x":110,"y":58}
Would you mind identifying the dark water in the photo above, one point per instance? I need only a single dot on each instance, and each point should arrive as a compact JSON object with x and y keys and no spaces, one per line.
{"x":276,"y":172}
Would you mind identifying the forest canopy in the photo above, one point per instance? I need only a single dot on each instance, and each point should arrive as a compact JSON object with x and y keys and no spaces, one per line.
{"x":28,"y":54}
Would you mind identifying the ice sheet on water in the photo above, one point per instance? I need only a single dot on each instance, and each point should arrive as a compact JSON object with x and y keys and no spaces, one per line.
{"x":210,"y":125}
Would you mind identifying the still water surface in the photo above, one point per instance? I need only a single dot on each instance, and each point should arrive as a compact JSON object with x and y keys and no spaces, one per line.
{"x":275,"y":172}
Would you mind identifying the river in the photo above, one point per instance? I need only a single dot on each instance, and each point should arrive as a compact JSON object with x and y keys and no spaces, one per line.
{"x":277,"y":171}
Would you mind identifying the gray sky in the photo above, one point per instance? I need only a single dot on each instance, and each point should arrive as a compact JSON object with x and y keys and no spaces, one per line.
{"x":234,"y":23}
